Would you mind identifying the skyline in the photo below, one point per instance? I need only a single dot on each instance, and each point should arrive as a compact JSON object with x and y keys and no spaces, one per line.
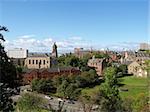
{"x":36,"y":25}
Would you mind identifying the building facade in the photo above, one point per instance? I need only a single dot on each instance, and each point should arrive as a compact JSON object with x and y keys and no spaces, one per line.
{"x":49,"y":73}
{"x":17,"y":53}
{"x":98,"y":64}
{"x":18,"y":56}
{"x":38,"y":61}
{"x":137,"y":69}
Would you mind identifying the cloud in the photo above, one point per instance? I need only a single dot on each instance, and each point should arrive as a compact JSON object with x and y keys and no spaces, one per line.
{"x":123,"y":46}
{"x":33,"y":44}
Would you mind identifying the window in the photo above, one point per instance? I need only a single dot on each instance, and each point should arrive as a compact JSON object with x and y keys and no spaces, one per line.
{"x":43,"y":62}
{"x":36,"y":61}
{"x":29,"y":61}
{"x":40,"y":62}
{"x":32,"y":61}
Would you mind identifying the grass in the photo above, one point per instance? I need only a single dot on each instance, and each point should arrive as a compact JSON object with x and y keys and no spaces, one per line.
{"x":134,"y":85}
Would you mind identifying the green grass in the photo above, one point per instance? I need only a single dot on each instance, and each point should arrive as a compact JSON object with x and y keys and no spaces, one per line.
{"x":134,"y":85}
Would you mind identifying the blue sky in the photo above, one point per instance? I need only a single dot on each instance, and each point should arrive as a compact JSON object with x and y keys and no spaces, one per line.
{"x":82,"y":23}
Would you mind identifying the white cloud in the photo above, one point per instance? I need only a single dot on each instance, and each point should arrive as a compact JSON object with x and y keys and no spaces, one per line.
{"x":33,"y":44}
{"x":123,"y":46}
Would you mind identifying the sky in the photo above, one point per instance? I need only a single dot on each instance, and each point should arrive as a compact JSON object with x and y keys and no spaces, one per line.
{"x":96,"y":24}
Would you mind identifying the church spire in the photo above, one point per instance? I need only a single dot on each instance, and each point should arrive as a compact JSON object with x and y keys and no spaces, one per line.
{"x":54,"y":51}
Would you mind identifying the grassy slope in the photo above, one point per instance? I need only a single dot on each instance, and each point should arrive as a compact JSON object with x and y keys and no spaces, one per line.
{"x":134,"y":85}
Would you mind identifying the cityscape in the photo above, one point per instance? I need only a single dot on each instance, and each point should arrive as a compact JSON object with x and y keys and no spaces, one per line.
{"x":74,"y":56}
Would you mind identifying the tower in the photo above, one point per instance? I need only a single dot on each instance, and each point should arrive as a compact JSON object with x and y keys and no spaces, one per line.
{"x":54,"y":51}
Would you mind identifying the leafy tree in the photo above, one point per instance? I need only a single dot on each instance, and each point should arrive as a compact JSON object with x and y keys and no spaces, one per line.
{"x":8,"y":77}
{"x":122,"y":68}
{"x":68,"y":90}
{"x":7,"y":69}
{"x":87,"y":102}
{"x":30,"y":102}
{"x":6,"y":104}
{"x":42,"y":85}
{"x":62,"y":88}
{"x":109,"y":99}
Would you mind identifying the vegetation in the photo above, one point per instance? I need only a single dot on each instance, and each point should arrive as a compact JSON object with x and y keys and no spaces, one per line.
{"x":31,"y":102}
{"x":108,"y":96}
{"x":134,"y":86}
{"x":8,"y":77}
{"x":42,"y":85}
{"x":6,"y":104}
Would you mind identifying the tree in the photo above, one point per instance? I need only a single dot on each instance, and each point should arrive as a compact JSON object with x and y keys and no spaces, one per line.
{"x":42,"y":85}
{"x":7,"y":69}
{"x":31,"y":102}
{"x":108,"y":97}
{"x":68,"y":89}
{"x":8,"y":77}
{"x":87,"y":102}
{"x":6,"y":104}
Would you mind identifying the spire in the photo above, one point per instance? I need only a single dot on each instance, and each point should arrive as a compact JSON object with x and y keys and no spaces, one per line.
{"x":54,"y":51}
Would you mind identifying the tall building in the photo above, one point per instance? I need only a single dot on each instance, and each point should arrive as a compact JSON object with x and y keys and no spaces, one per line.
{"x":17,"y":53}
{"x":54,"y":51}
{"x":145,"y":46}
{"x":18,"y":56}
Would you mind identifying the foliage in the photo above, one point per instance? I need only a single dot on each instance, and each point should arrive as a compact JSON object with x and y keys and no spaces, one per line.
{"x":100,"y":55}
{"x":108,"y":97}
{"x":42,"y":85}
{"x":140,"y":102}
{"x":30,"y":102}
{"x":122,"y":68}
{"x":71,"y":60}
{"x":87,"y":102}
{"x":68,"y":90}
{"x":8,"y":77}
{"x":6,"y":104}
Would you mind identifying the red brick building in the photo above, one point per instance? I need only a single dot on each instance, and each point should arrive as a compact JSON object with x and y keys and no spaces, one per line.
{"x":98,"y":64}
{"x":31,"y":74}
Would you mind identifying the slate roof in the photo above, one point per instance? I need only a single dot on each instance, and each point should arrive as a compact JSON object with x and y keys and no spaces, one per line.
{"x":39,"y":55}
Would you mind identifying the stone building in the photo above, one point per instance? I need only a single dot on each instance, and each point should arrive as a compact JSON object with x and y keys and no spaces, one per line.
{"x":38,"y":61}
{"x":137,"y":69}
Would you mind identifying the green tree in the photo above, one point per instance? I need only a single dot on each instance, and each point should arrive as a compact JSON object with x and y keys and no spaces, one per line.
{"x":42,"y":85}
{"x":31,"y":102}
{"x":7,"y":69}
{"x":8,"y":77}
{"x":6,"y":104}
{"x":109,"y":99}
{"x":68,"y":90}
{"x":62,"y":88}
{"x":123,"y":69}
